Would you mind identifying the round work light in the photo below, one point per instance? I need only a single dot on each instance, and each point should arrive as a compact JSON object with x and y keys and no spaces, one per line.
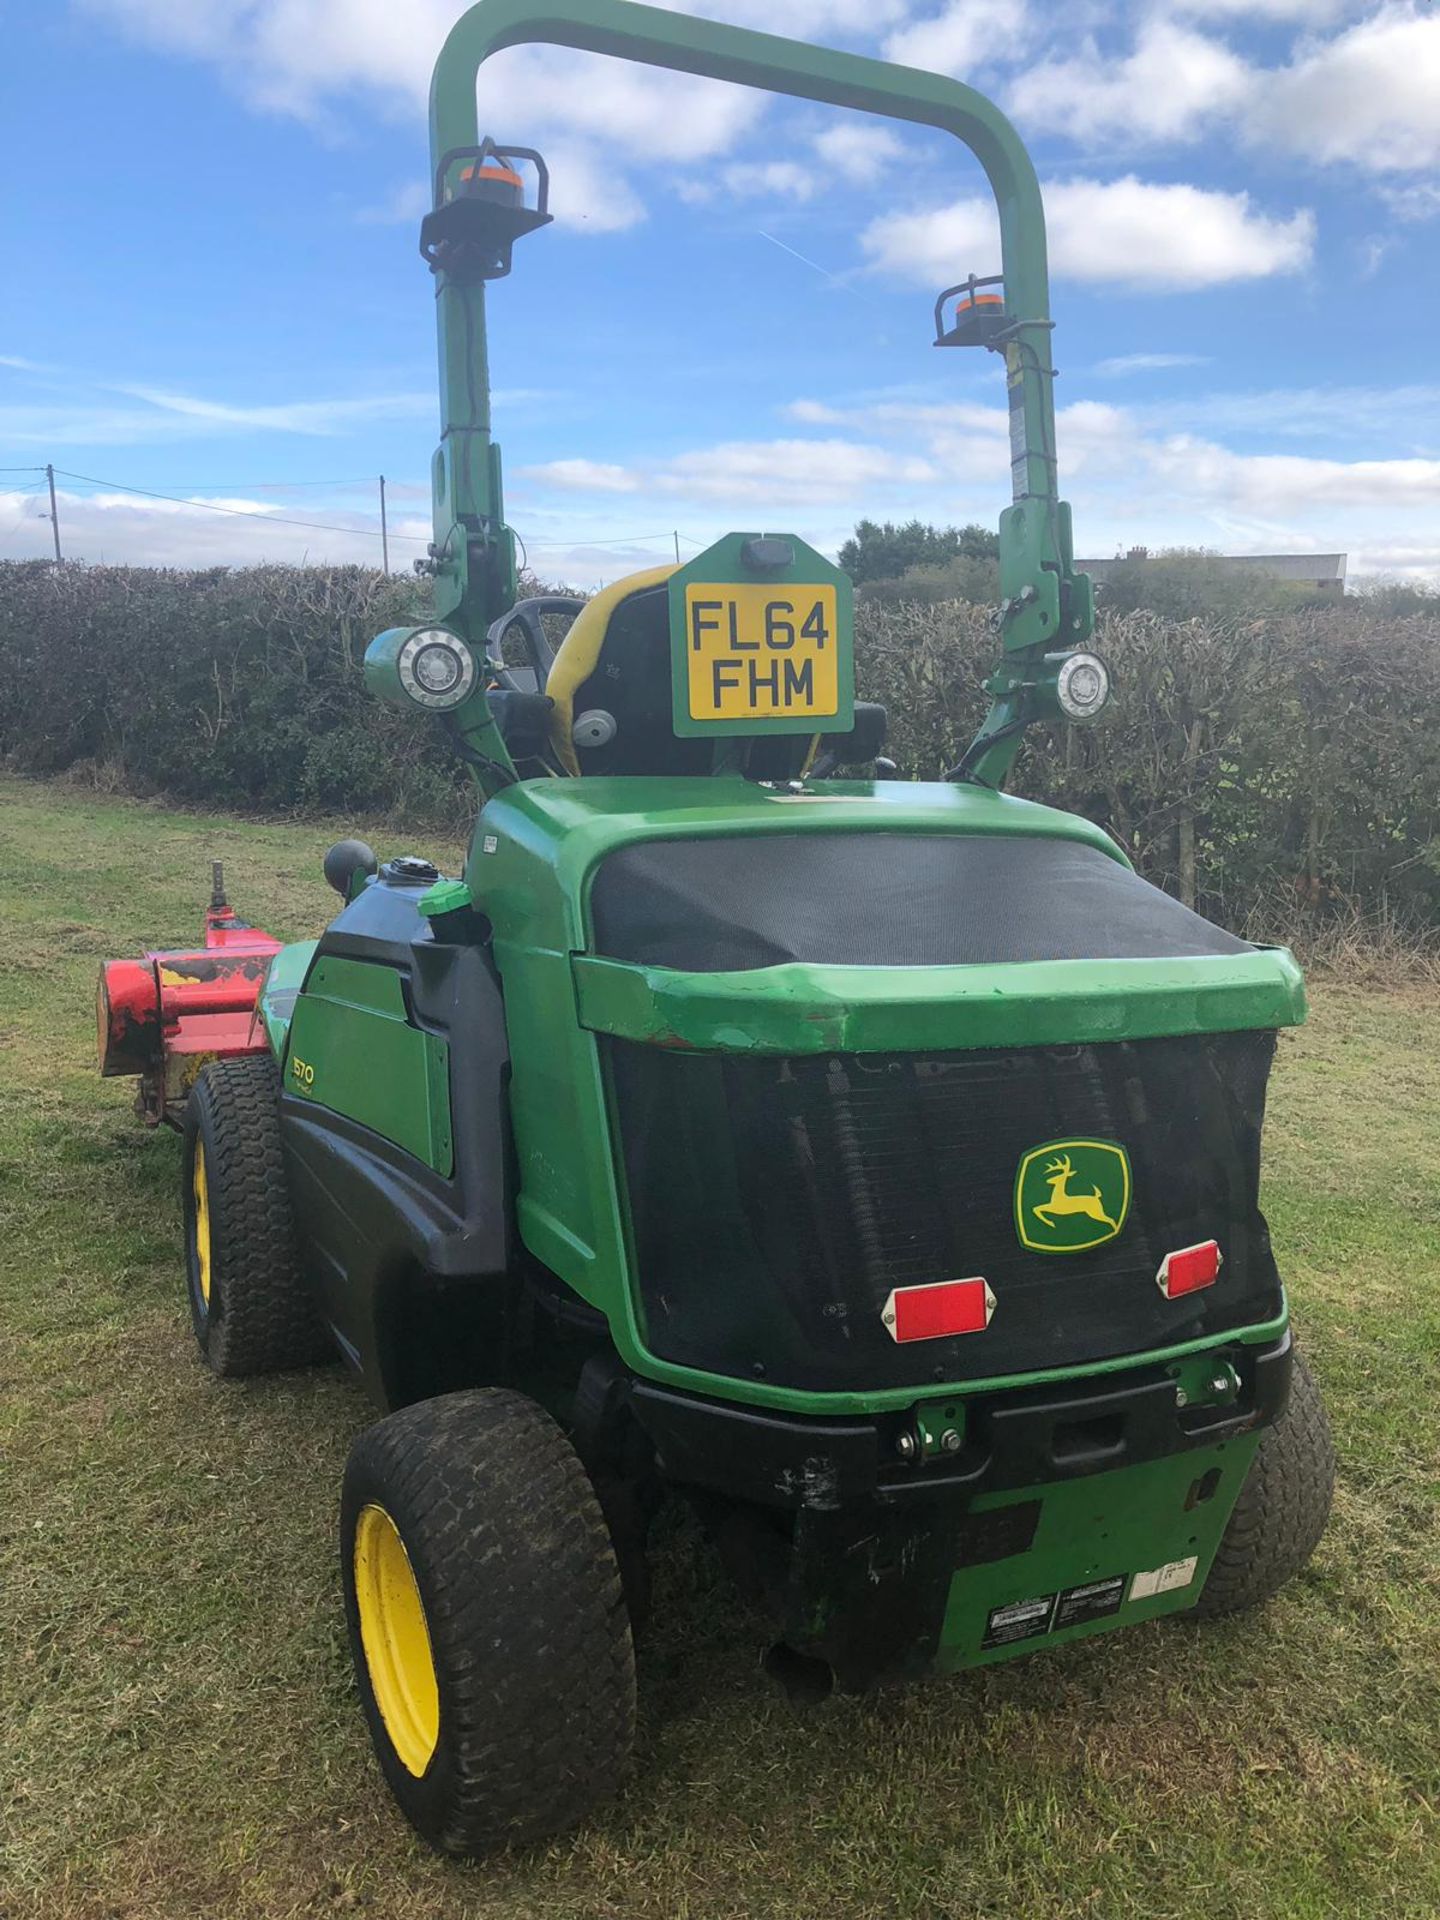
{"x":1082,"y":685}
{"x":436,"y":669}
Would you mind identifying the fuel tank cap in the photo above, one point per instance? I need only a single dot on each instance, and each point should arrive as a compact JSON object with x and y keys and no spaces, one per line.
{"x":409,"y":870}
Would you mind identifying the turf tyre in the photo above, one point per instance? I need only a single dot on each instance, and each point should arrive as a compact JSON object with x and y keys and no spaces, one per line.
{"x":528,"y":1630}
{"x":257,"y":1316}
{"x":1282,"y":1509}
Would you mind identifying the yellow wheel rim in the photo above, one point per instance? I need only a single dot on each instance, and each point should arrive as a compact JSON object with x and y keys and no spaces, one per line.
{"x":202,"y":1223}
{"x":396,"y":1640}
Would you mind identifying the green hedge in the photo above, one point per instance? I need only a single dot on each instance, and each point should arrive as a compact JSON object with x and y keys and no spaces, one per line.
{"x":230,"y":688}
{"x":1267,"y":770}
{"x":1270,"y":769}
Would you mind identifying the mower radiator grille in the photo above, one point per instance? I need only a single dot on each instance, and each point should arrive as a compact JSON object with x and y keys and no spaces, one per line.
{"x":774,"y":1203}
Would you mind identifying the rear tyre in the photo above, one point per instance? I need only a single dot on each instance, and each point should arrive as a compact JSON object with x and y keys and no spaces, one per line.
{"x":487,"y":1621}
{"x":1283,"y":1506}
{"x":249,"y":1305}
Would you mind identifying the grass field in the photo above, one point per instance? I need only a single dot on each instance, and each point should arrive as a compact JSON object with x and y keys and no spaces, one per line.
{"x":177,"y":1730}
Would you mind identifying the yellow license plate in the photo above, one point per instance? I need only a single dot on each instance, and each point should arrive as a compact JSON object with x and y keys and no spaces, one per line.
{"x":761,"y":653}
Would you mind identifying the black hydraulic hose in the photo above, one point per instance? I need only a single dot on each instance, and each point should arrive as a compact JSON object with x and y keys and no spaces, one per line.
{"x":964,"y":769}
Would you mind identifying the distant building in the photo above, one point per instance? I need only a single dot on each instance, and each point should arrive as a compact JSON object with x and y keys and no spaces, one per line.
{"x":1325,"y":571}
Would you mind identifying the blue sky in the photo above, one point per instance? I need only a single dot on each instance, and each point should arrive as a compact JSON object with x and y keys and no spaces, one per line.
{"x":213,"y":289}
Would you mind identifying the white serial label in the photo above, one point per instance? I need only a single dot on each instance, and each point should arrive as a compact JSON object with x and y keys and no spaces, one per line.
{"x":1175,"y":1573}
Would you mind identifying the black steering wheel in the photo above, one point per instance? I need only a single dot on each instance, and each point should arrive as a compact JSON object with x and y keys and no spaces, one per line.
{"x":529,"y":675}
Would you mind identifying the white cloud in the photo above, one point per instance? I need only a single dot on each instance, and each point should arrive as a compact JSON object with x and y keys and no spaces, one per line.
{"x":321,"y":417}
{"x":1188,"y":489}
{"x":772,"y":180}
{"x":750,"y":475}
{"x":591,"y":114}
{"x":314,"y":45}
{"x":1417,"y":560}
{"x":297,"y":56}
{"x":643,"y":112}
{"x":795,"y":472}
{"x":1121,"y":364}
{"x":1403,"y":420}
{"x":968,"y":418}
{"x":123,"y":530}
{"x":964,"y":35}
{"x":1412,"y":204}
{"x":1122,"y":232}
{"x":1312,"y":13}
{"x":1131,"y":476}
{"x":287,"y":54}
{"x":584,"y":476}
{"x":1168,"y":89}
{"x":163,"y":415}
{"x":1370,"y":96}
{"x":400,"y":207}
{"x":812,"y":413}
{"x":801,"y":17}
{"x":858,"y":150}
{"x":1195,"y":491}
{"x":587,"y":191}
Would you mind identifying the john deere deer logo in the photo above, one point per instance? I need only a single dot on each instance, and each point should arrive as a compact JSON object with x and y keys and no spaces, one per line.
{"x":1071,"y":1194}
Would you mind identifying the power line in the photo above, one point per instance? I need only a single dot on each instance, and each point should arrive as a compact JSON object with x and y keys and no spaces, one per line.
{"x":325,"y":526}
{"x":24,"y":495}
{"x":241,"y":513}
{"x":261,"y":486}
{"x":619,"y":540}
{"x":219,"y":486}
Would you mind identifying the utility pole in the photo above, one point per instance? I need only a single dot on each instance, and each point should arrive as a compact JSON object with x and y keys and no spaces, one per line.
{"x":677,"y":549}
{"x":384,"y":529}
{"x":54,"y":512}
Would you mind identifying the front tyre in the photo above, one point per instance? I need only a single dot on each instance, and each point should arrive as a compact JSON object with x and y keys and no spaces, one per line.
{"x":1283,"y":1506}
{"x":249,"y":1305}
{"x":487,"y":1621}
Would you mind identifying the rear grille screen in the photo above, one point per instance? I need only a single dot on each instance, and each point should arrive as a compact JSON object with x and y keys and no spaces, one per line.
{"x":774,"y":1203}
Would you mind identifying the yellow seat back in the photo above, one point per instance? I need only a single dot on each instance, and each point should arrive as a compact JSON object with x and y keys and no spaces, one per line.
{"x":579,"y":657}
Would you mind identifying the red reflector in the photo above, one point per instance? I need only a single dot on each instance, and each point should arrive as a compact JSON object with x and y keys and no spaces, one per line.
{"x":1188,"y":1269}
{"x":931,"y":1313}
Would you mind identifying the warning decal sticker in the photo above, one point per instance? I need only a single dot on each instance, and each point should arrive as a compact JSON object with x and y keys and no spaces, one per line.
{"x":1090,"y":1602}
{"x":1175,"y":1573}
{"x":1019,"y":1620}
{"x":1081,"y":1605}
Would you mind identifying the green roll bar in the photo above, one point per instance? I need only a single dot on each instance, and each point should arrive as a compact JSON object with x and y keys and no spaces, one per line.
{"x":1046,"y":606}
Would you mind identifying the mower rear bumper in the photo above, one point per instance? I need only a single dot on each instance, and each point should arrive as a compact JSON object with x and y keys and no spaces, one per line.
{"x":1010,"y":1440}
{"x":1065,"y":1511}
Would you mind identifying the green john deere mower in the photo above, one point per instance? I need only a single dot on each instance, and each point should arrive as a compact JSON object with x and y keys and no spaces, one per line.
{"x":875,"y":1164}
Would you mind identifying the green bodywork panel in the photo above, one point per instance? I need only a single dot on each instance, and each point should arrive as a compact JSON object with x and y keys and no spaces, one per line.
{"x":350,"y":1047}
{"x":535,"y":852}
{"x":798,"y":1009}
{"x":1108,"y":1549}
